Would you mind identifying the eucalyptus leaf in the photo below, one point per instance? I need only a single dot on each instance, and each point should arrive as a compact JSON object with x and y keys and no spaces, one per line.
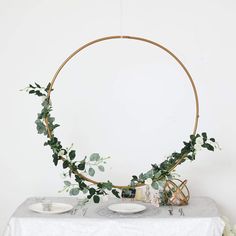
{"x":82,"y":185}
{"x":134,"y":178}
{"x":66,"y":164}
{"x":209,"y":147}
{"x":94,"y":157}
{"x":157,"y":175}
{"x":145,"y":176}
{"x":41,"y":128}
{"x":92,"y":191}
{"x":85,"y":190}
{"x":67,"y":183}
{"x":149,"y":174}
{"x":74,"y":191}
{"x":55,"y":159}
{"x":38,"y":93}
{"x":91,"y":171}
{"x":141,"y":177}
{"x":78,"y":179}
{"x":81,"y":166}
{"x":96,"y":198}
{"x":72,"y":155}
{"x":31,"y":86}
{"x":204,"y":135}
{"x":55,"y":126}
{"x":37,"y":85}
{"x":155,"y":185}
{"x":108,"y":185}
{"x":162,"y":184}
{"x":101,"y":168}
{"x":47,"y":88}
{"x":51,"y":119}
{"x":116,"y":193}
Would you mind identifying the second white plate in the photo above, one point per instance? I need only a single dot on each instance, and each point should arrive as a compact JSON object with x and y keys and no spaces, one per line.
{"x":57,"y":208}
{"x":127,"y":208}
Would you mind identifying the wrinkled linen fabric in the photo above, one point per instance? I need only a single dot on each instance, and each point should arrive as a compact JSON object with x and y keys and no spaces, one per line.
{"x":201,"y":219}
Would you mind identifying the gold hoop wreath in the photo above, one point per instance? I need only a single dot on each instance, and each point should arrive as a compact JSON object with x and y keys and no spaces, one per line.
{"x":128,"y":38}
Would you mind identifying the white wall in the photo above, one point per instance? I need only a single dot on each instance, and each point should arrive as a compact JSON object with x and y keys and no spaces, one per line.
{"x":35,"y":37}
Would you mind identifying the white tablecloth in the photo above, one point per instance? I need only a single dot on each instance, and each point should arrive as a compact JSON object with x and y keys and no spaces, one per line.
{"x":201,"y":219}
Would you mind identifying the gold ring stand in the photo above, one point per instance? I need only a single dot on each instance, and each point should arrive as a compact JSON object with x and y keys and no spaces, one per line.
{"x":129,"y":38}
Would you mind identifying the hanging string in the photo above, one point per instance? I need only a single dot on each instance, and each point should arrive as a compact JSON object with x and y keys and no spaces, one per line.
{"x":121,"y":18}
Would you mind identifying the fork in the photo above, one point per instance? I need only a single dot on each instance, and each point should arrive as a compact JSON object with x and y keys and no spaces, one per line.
{"x":73,"y":211}
{"x":181,"y":211}
{"x":84,"y":211}
{"x":171,"y":210}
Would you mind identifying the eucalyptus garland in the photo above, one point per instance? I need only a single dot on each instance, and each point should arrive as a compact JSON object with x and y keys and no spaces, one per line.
{"x":77,"y":169}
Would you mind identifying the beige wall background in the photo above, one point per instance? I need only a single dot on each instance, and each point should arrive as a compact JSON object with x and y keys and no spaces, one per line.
{"x":98,"y":106}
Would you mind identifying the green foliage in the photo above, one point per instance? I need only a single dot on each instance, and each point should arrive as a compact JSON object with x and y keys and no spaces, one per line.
{"x":66,"y":164}
{"x":155,"y":185}
{"x":158,"y":173}
{"x":74,"y":191}
{"x":81,"y":166}
{"x":85,"y":191}
{"x":101,"y":168}
{"x":72,"y":155}
{"x":116,"y":193}
{"x":96,"y":198}
{"x":94,"y":157}
{"x":41,"y":128}
{"x":92,"y":191}
{"x":91,"y":171}
{"x":55,"y":159}
{"x":204,"y":135}
{"x":208,"y":146}
{"x":163,"y":171}
{"x":106,"y":185}
{"x":67,"y":183}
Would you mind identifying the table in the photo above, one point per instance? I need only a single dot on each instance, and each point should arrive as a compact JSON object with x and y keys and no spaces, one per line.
{"x":201,"y":219}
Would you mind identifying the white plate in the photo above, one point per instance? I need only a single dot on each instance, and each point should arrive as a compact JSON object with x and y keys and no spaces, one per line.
{"x":57,"y":208}
{"x":127,"y":208}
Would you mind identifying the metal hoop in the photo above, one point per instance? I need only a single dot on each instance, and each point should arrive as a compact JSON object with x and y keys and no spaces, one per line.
{"x":132,"y":38}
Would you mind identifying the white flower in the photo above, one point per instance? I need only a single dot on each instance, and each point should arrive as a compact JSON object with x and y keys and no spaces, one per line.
{"x":197,"y":147}
{"x":61,"y":153}
{"x":148,"y":181}
{"x":199,"y":141}
{"x":198,"y":144}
